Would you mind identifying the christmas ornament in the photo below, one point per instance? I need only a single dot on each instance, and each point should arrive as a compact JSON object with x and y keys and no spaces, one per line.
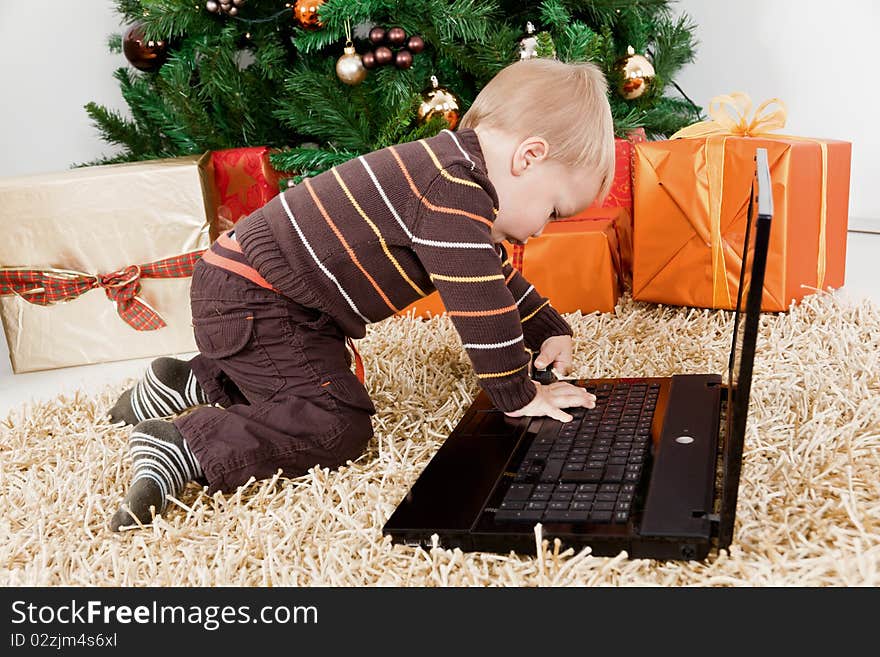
{"x":349,"y":68}
{"x":636,"y":72}
{"x":306,"y":14}
{"x":528,"y":46}
{"x":415,"y":44}
{"x":394,"y":37}
{"x":229,"y":7}
{"x":438,"y":100}
{"x":144,"y":54}
{"x":383,"y":55}
{"x":403,"y":59}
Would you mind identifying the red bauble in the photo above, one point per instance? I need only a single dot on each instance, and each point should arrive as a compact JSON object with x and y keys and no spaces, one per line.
{"x":396,"y":36}
{"x":369,"y":59}
{"x":403,"y":59}
{"x":383,"y":55}
{"x":415,"y":44}
{"x":377,"y":35}
{"x":143,"y":54}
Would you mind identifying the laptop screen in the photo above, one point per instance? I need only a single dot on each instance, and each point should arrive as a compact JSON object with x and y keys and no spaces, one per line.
{"x":745,"y":334}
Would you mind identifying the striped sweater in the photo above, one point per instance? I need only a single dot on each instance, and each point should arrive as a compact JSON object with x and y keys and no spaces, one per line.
{"x":365,"y":239}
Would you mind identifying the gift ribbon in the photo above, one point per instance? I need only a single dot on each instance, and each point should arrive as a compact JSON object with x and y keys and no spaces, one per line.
{"x":47,"y":286}
{"x":730,"y":114}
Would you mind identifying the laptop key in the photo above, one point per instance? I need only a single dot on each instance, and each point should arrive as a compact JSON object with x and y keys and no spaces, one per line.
{"x":518,"y":492}
{"x":614,"y":473}
{"x":566,"y":516}
{"x":621,"y":516}
{"x":590,"y":474}
{"x":518,"y":516}
{"x":552,"y":469}
{"x":596,"y":516}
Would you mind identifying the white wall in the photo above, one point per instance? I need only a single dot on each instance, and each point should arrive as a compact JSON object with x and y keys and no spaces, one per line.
{"x":54,"y":60}
{"x":811,"y":53}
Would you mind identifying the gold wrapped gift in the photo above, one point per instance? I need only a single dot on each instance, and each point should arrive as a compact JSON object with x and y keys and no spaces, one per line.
{"x":105,"y":233}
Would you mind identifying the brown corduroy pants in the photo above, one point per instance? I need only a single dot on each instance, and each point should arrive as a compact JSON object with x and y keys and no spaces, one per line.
{"x":281,"y":373}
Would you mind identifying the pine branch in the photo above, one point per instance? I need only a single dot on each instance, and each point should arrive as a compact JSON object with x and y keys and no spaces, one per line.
{"x":309,"y":159}
{"x":397,"y":125}
{"x":131,"y":10}
{"x":314,"y":104}
{"x":114,"y":43}
{"x":675,"y":44}
{"x":116,"y":129}
{"x":578,"y":43}
{"x":166,"y":19}
{"x":554,"y":14}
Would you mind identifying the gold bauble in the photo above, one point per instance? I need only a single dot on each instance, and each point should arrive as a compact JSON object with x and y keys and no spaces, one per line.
{"x":438,"y":100}
{"x":349,"y":68}
{"x":636,"y":73}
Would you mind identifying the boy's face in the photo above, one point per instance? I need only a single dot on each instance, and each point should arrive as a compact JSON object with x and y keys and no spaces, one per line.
{"x":533,"y":190}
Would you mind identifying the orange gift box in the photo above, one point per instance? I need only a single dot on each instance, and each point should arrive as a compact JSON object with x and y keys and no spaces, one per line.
{"x":579,"y":263}
{"x":691,"y":200}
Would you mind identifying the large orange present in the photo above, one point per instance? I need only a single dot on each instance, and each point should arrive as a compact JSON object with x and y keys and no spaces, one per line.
{"x":691,"y":201}
{"x":579,"y":263}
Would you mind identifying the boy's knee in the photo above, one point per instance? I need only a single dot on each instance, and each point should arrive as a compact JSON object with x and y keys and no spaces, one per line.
{"x":353,"y":440}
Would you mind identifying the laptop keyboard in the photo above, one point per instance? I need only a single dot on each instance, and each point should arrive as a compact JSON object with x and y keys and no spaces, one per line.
{"x":588,"y":471}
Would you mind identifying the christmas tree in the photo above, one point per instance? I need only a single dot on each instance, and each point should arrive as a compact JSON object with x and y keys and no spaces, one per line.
{"x":326,"y":80}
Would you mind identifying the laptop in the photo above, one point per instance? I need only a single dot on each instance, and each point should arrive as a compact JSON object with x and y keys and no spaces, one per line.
{"x":653,"y":469}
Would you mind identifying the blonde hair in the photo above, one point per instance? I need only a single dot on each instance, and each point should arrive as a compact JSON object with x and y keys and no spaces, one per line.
{"x":565,"y":103}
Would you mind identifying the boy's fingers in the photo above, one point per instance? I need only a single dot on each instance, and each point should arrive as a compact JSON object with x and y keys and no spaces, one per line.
{"x":561,"y":416}
{"x":563,"y":367}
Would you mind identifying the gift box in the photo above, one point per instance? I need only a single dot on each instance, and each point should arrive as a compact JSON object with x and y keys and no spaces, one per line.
{"x":244,"y":181}
{"x":691,"y":199}
{"x":95,"y":263}
{"x":579,"y":263}
{"x":621,"y":194}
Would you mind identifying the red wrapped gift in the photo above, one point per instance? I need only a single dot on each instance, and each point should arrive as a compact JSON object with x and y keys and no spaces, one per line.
{"x":244,"y":181}
{"x":621,"y":194}
{"x":579,"y":263}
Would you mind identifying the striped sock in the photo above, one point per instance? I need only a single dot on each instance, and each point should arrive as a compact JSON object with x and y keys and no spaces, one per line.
{"x":168,"y":387}
{"x":163,"y":464}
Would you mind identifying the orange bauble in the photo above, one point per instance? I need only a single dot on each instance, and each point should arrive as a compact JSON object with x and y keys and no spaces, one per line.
{"x":306,"y":14}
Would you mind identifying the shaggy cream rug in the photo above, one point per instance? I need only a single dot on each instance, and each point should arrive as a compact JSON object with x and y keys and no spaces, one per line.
{"x":809,"y":503}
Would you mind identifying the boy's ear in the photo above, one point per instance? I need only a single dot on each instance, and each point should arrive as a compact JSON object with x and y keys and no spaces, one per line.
{"x":530,"y":151}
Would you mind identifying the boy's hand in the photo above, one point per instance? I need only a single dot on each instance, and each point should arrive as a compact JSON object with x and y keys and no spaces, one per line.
{"x":556,"y":351}
{"x":551,"y":399}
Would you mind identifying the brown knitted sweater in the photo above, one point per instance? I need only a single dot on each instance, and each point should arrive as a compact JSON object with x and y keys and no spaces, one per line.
{"x":365,"y":239}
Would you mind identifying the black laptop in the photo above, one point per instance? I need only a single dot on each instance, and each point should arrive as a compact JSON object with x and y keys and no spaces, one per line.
{"x":653,"y":469}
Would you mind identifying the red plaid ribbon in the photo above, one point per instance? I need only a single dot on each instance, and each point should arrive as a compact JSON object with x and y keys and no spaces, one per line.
{"x":47,"y":286}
